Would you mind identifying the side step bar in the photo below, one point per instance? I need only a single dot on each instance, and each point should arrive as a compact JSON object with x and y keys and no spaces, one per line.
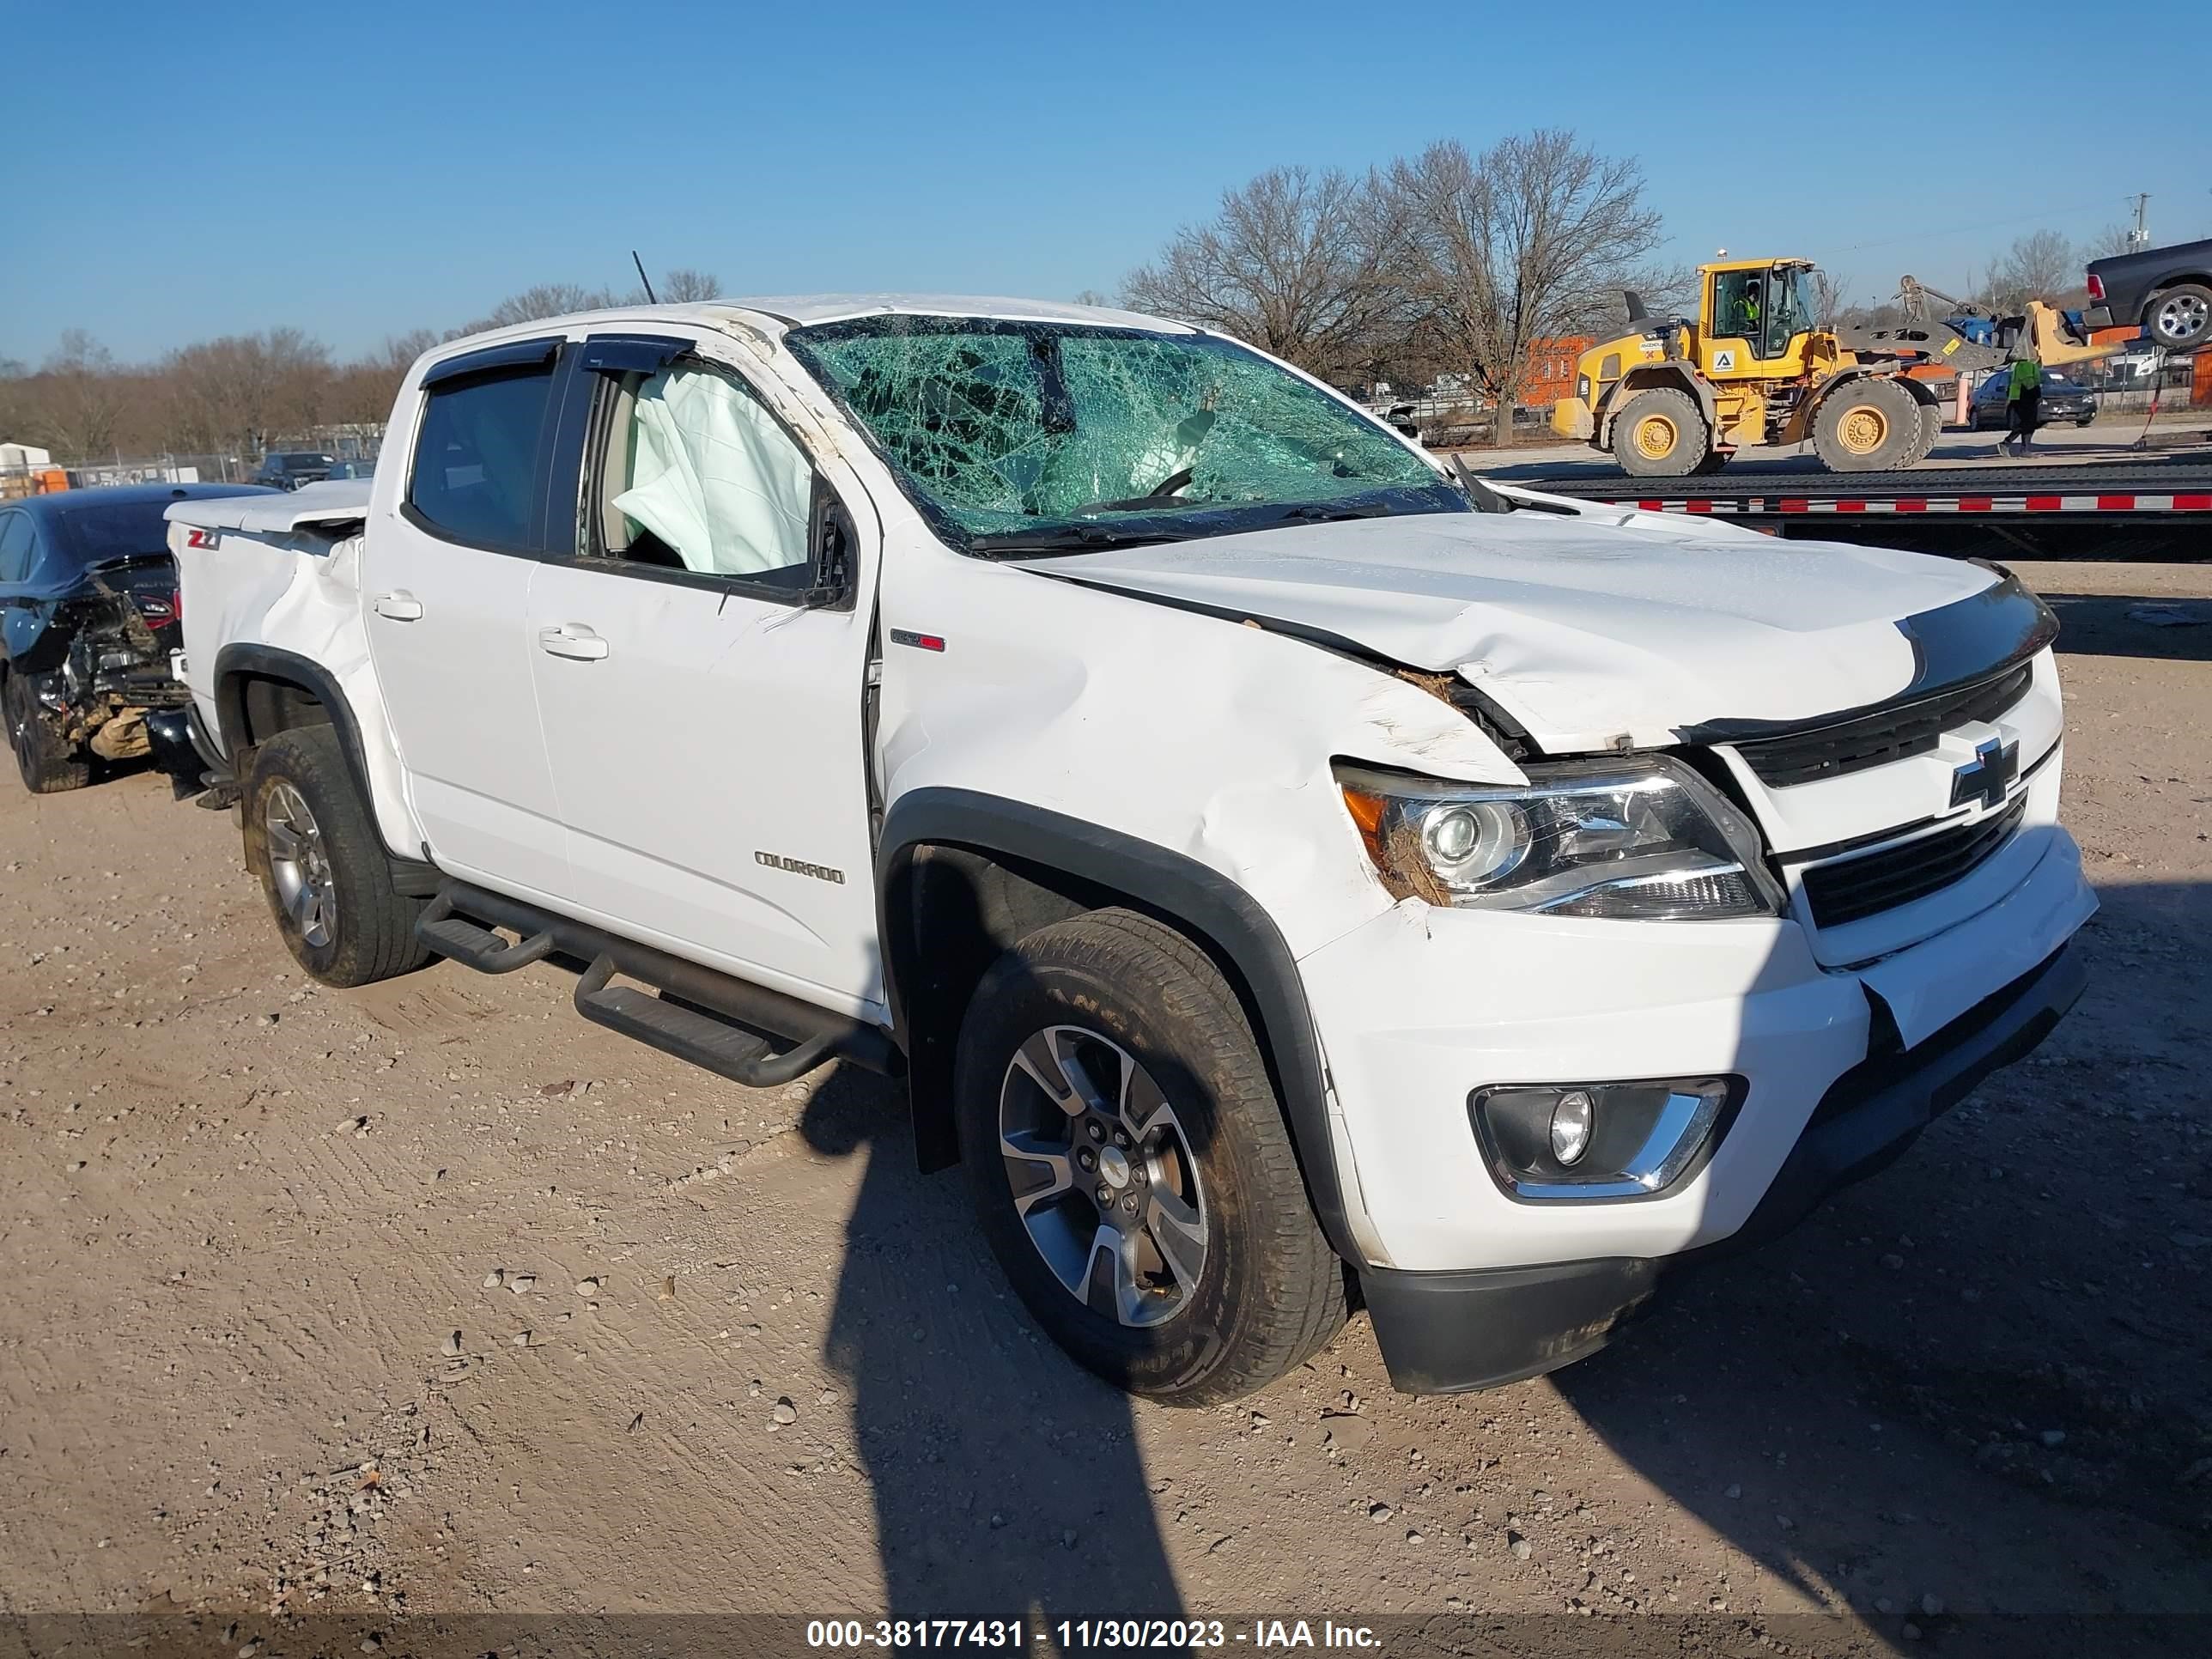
{"x":731,"y":1027}
{"x":714,"y":1044}
{"x":463,"y":941}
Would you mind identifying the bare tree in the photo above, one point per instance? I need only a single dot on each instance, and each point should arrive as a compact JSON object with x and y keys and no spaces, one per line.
{"x":1829,"y":288}
{"x":2041,"y":266}
{"x":534,"y":304}
{"x":84,"y":399}
{"x":1295,"y":263}
{"x":686,"y":286}
{"x":1531,"y":239}
{"x":2111,"y":240}
{"x":236,"y":393}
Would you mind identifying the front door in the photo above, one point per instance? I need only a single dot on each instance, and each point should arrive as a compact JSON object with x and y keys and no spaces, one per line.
{"x":445,"y":584}
{"x":701,"y":665}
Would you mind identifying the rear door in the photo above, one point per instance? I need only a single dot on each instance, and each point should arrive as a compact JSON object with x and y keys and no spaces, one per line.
{"x":702,"y":658}
{"x":445,"y":583}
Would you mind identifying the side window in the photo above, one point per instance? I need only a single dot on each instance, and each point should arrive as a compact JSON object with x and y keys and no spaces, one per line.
{"x":475,"y":460}
{"x":696,"y":474}
{"x":1735,"y":304}
{"x":15,"y":541}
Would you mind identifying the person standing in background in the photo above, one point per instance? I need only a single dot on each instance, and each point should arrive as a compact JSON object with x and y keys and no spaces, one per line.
{"x":2023,"y":404}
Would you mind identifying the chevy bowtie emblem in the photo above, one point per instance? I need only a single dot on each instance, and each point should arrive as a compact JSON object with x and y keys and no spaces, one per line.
{"x":1989,"y":775}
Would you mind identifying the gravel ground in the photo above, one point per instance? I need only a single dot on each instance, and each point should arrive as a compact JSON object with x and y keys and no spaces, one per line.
{"x":433,"y":1299}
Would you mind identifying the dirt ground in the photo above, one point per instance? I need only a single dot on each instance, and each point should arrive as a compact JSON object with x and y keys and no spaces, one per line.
{"x":433,"y":1298}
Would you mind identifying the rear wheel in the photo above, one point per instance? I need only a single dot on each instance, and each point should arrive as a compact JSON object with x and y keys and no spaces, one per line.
{"x":1661,"y":434}
{"x":309,"y":838}
{"x":2180,"y":319}
{"x":1130,"y":1167}
{"x":1867,"y":426}
{"x":48,"y":760}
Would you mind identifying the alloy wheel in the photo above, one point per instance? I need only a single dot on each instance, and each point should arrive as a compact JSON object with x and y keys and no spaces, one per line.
{"x":300,"y":864}
{"x":1104,"y":1175}
{"x":2184,"y":317}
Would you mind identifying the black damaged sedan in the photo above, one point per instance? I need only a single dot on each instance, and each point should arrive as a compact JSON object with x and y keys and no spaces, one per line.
{"x":88,"y":615}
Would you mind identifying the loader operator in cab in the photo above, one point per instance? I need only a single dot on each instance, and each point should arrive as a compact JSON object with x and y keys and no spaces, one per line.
{"x":1739,"y":308}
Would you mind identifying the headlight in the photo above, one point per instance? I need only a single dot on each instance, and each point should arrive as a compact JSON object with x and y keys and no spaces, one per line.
{"x":1583,"y":388}
{"x":1639,"y":837}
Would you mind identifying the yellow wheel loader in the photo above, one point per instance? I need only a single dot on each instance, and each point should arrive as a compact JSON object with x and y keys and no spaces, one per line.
{"x":1679,"y":396}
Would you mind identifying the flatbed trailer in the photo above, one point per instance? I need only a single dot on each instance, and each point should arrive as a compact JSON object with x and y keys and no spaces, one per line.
{"x":2157,"y":509}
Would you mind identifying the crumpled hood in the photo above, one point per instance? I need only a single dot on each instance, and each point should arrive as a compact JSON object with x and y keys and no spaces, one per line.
{"x":1596,"y":628}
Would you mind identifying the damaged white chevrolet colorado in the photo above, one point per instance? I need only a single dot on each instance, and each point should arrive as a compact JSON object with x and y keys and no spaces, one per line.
{"x":1287,"y":875}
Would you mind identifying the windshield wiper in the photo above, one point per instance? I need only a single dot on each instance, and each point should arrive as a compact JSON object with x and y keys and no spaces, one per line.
{"x":1071,"y":538}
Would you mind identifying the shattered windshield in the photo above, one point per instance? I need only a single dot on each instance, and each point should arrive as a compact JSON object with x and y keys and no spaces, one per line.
{"x":1035,"y":436}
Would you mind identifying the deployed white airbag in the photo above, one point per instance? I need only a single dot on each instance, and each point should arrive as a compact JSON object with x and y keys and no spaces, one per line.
{"x":715,"y":478}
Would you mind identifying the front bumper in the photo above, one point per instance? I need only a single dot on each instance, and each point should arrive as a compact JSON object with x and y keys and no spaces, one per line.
{"x":1443,"y":1333}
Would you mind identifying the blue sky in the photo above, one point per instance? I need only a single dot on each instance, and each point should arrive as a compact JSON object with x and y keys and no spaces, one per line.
{"x":181,"y":171}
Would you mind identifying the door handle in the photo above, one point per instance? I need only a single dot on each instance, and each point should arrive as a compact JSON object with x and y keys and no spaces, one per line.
{"x":572,"y":640}
{"x":401,"y":606}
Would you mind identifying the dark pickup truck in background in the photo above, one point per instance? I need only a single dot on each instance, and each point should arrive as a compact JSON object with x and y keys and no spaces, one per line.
{"x":2168,"y":290}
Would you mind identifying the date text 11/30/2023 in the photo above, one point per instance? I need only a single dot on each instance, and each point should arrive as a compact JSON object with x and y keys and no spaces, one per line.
{"x":1014,"y":1635}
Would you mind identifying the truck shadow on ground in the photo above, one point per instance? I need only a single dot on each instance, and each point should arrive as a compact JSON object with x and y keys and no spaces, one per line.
{"x":1974,"y":1387}
{"x":1006,"y":1481}
{"x":1970,"y":1388}
{"x":2145,"y":625}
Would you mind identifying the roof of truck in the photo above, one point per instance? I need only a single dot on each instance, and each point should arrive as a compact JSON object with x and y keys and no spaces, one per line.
{"x":775,"y":313}
{"x":804,"y":309}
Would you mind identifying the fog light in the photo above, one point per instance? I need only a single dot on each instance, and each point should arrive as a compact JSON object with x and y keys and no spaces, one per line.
{"x":1580,"y":1141}
{"x":1570,"y":1126}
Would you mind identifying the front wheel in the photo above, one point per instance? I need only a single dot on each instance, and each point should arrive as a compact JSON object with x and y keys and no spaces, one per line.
{"x":1130,"y":1167}
{"x":1870,"y":425}
{"x":308,"y":836}
{"x":1931,"y":429}
{"x":1660,"y":433}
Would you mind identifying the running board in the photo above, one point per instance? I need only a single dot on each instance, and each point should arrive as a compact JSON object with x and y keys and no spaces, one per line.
{"x":689,"y":1034}
{"x":730,"y":1026}
{"x":463,"y":941}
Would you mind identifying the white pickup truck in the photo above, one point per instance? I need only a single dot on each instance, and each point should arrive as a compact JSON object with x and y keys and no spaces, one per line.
{"x":1287,"y":873}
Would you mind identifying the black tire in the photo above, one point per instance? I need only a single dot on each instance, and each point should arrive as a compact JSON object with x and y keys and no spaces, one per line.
{"x":1714,"y":460}
{"x":48,"y":761}
{"x":372,"y":934}
{"x":1931,"y":429}
{"x":1661,"y":434}
{"x":1866,"y":425}
{"x":2179,"y":319}
{"x":1268,"y":1293}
